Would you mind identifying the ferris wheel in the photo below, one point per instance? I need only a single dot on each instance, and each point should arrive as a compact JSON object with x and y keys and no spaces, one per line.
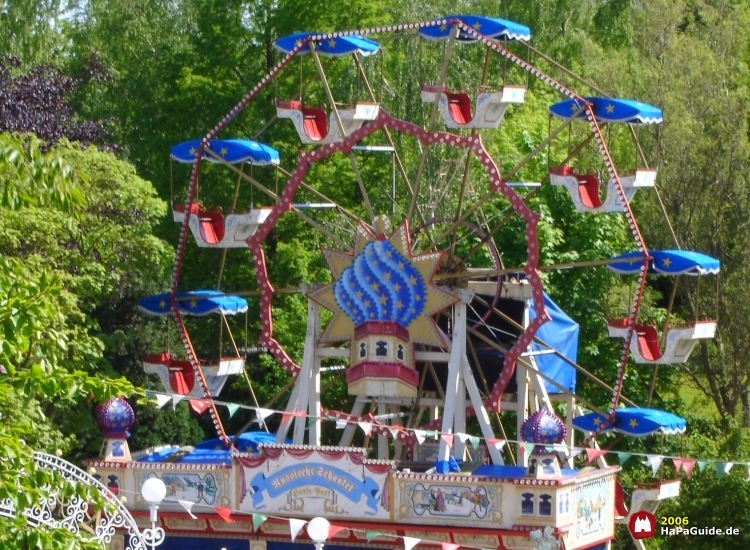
{"x":428,"y":300}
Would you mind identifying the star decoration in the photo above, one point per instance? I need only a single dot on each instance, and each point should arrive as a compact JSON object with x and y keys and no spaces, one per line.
{"x":597,"y":421}
{"x":162,"y":304}
{"x":477,"y":26}
{"x":223,"y":151}
{"x":610,"y":108}
{"x":192,"y":151}
{"x":666,"y":262}
{"x":432,"y":298}
{"x":633,"y":423}
{"x":443,"y":27}
{"x":331,"y":43}
{"x":193,"y":303}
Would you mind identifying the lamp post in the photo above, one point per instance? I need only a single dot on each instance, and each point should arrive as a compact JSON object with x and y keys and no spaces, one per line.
{"x":153,"y":492}
{"x":317,"y":529}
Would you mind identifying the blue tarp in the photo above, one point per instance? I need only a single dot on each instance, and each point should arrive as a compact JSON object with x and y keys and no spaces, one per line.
{"x":635,"y":422}
{"x":198,"y":302}
{"x":213,"y":451}
{"x":489,"y":27}
{"x":340,"y":45}
{"x":667,"y":262}
{"x":561,"y":333}
{"x":231,"y":150}
{"x":610,"y":110}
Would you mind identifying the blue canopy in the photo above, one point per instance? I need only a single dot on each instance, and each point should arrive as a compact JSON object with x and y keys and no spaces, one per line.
{"x":198,"y":302}
{"x":340,"y":45}
{"x":635,"y":422}
{"x":212,"y":451}
{"x":610,"y":110}
{"x":561,"y":333}
{"x":231,"y":150}
{"x":489,"y":27}
{"x":667,"y":262}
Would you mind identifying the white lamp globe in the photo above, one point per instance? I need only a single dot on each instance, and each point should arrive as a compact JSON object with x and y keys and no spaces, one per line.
{"x":154,"y":490}
{"x":318,"y":528}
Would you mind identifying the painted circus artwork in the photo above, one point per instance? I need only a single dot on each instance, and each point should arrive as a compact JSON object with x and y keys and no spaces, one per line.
{"x":591,"y":508}
{"x":303,"y":480}
{"x":190,"y":487}
{"x":445,"y":500}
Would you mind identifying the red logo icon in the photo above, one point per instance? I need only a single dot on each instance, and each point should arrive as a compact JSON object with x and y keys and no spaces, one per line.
{"x":642,"y":525}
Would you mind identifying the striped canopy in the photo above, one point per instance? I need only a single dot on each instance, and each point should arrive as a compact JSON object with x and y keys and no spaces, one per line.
{"x":635,"y":422}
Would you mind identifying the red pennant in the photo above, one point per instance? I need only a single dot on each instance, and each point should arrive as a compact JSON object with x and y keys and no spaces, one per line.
{"x":287,"y":415}
{"x":199,"y":405}
{"x":450,"y":546}
{"x":333,"y":530}
{"x":225,"y":514}
{"x":688,"y":464}
{"x":593,"y":454}
{"x":448,"y":438}
{"x":677,"y":464}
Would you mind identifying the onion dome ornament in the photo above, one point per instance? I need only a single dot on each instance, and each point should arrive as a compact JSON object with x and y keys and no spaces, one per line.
{"x":383,"y":300}
{"x":545,"y":429}
{"x":115,"y":417}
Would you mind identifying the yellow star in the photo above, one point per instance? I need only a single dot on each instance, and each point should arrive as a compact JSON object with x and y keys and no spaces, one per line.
{"x":372,"y":315}
{"x":399,"y":305}
{"x":331,"y":43}
{"x":387,"y":275}
{"x":397,"y":287}
{"x":443,"y":27}
{"x":610,"y":108}
{"x":477,"y":26}
{"x":192,"y":151}
{"x":383,"y":299}
{"x":667,"y":262}
{"x":193,"y":303}
{"x":597,"y":421}
{"x":412,"y":281}
{"x":633,"y":423}
{"x":574,"y":106}
{"x":400,"y":265}
{"x":223,"y":151}
{"x":388,"y":254}
{"x":217,"y":448}
{"x":367,"y":278}
{"x":162,"y":304}
{"x":375,"y":286}
{"x":358,"y":294}
{"x":418,"y":298}
{"x":367,"y":303}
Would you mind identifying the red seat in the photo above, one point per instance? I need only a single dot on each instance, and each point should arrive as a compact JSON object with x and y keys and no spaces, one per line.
{"x":314,"y":121}
{"x":459,"y":106}
{"x":212,"y":226}
{"x":588,"y":190}
{"x":648,"y":342}
{"x":621,"y":510}
{"x":181,"y":377}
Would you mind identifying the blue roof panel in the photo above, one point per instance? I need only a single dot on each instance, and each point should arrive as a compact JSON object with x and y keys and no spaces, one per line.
{"x":231,"y":150}
{"x":489,"y":27}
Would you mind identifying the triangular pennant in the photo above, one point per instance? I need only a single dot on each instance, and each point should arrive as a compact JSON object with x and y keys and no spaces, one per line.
{"x":575,"y":451}
{"x":449,"y":546}
{"x":199,"y":405}
{"x":394,"y":431}
{"x":295,"y":526}
{"x":372,"y":535}
{"x":410,"y":542}
{"x":654,"y":461}
{"x":593,"y":454}
{"x":341,"y":424}
{"x":549,"y":448}
{"x":162,"y":400}
{"x":258,"y":520}
{"x":723,"y":468}
{"x":420,"y":435}
{"x":462,"y":437}
{"x":448,"y":438}
{"x":623,"y":457}
{"x":528,"y":447}
{"x":702,"y":464}
{"x":688,"y":464}
{"x":333,"y":530}
{"x":232,"y":408}
{"x":176,"y":398}
{"x":262,"y":414}
{"x":474,"y":440}
{"x":433,"y":434}
{"x":677,"y":464}
{"x":287,"y":415}
{"x":225,"y":514}
{"x":150,"y":394}
{"x":188,"y":507}
{"x":366,"y":427}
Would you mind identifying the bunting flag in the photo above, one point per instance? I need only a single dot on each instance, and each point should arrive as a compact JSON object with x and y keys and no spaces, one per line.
{"x":258,"y":520}
{"x":372,"y":535}
{"x":262,"y":414}
{"x":395,"y":431}
{"x":593,"y":454}
{"x":287,"y":415}
{"x":497,"y":443}
{"x":188,"y":507}
{"x":622,"y":457}
{"x":654,"y":461}
{"x":432,"y":434}
{"x":295,"y":526}
{"x":341,"y":424}
{"x":150,"y":394}
{"x":450,"y":546}
{"x":688,"y":464}
{"x":232,"y":408}
{"x":225,"y":514}
{"x":702,"y":464}
{"x":162,"y":400}
{"x":420,"y":435}
{"x":677,"y":464}
{"x":462,"y":437}
{"x":199,"y":405}
{"x":575,"y":451}
{"x":410,"y":542}
{"x":528,"y":447}
{"x":474,"y":440}
{"x":448,"y":438}
{"x":366,"y":427}
{"x":333,"y":530}
{"x":723,"y":468}
{"x":176,"y":398}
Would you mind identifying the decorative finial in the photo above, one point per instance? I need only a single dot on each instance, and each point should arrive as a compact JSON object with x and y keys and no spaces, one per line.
{"x":382,"y":226}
